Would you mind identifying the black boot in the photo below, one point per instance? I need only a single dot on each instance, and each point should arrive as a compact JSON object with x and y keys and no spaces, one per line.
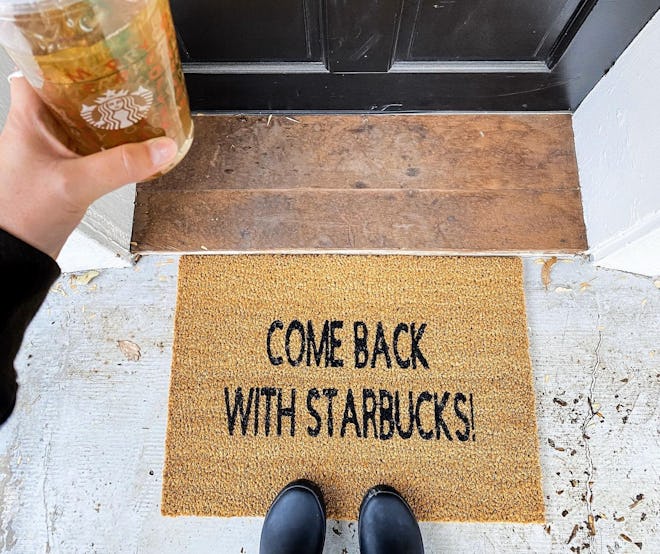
{"x":387,"y":525}
{"x":295,"y":522}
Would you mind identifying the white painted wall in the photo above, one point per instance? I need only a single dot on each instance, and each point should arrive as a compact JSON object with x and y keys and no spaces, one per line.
{"x":617,"y":140}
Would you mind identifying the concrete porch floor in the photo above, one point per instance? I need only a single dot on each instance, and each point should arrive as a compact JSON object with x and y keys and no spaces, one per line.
{"x":82,"y":456}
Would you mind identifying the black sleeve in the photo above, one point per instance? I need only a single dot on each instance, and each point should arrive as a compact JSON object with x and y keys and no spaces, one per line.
{"x":26,"y":275}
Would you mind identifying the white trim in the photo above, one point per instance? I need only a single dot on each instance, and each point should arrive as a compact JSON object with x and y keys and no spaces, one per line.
{"x":103,"y":237}
{"x":81,"y":252}
{"x":640,"y":256}
{"x":638,"y":231}
{"x":110,"y":220}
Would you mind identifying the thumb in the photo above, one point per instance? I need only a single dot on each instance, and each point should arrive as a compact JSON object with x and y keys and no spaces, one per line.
{"x":92,"y":176}
{"x":23,"y":98}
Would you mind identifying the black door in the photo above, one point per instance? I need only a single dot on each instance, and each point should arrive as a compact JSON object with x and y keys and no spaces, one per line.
{"x":400,"y":55}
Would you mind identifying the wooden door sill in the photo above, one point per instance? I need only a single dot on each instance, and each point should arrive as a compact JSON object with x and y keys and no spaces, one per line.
{"x":479,"y":184}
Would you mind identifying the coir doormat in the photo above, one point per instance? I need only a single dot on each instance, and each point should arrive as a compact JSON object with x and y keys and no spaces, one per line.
{"x":352,"y":371}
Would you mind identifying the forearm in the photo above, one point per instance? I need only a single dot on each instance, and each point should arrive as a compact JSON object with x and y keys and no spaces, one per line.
{"x":45,"y":189}
{"x":26,"y":274}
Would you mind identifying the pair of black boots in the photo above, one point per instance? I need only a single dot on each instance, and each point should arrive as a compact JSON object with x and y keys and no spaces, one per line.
{"x":295,"y":522}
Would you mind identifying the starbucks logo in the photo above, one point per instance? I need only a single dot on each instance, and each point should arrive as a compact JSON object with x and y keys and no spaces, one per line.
{"x":118,"y":109}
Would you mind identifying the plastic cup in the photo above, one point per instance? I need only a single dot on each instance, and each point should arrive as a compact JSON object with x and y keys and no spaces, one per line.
{"x":109,"y":70}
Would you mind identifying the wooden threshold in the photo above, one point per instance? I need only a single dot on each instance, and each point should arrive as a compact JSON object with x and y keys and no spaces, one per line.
{"x":423,"y":184}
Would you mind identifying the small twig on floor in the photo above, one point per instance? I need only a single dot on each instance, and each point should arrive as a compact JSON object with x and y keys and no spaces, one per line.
{"x":573,"y":533}
{"x":592,"y":412}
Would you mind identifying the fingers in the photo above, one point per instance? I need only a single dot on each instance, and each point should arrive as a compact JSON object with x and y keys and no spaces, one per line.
{"x":90,"y":177}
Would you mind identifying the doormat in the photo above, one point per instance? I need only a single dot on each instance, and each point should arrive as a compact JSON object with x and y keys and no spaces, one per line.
{"x":352,"y":371}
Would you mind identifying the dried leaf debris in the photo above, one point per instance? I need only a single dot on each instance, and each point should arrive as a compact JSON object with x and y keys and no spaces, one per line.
{"x":83,"y":278}
{"x":130,"y":350}
{"x":638,"y":499}
{"x":546,"y":269}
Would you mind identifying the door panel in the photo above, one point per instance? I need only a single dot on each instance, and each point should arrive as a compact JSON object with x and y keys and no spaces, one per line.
{"x":361,"y":34}
{"x":481,"y":29}
{"x":248,"y":30}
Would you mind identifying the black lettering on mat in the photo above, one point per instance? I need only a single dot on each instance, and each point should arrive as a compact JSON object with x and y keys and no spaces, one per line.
{"x":381,"y":415}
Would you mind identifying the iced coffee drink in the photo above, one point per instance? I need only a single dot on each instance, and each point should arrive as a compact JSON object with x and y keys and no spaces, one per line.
{"x":109,"y":70}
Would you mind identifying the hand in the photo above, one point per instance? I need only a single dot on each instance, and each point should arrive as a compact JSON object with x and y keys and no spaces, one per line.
{"x":45,"y":188}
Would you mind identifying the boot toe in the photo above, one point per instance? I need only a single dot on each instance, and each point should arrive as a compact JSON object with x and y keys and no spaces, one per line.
{"x":295,"y":522}
{"x":387,"y":524}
